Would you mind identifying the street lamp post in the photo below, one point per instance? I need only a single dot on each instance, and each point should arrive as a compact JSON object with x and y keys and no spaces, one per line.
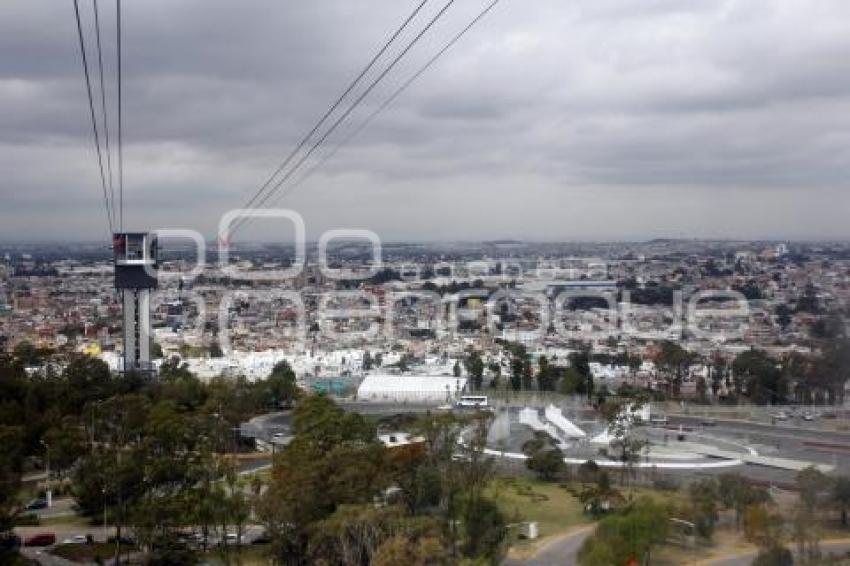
{"x":103,"y":491}
{"x":47,"y":473}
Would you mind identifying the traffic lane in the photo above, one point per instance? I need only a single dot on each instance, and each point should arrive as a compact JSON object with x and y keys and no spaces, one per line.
{"x":62,"y":507}
{"x":64,"y":532}
{"x":821,"y":447}
{"x":810,"y":433}
{"x":102,"y":534}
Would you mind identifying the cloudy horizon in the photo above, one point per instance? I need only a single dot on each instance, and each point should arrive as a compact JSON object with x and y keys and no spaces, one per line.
{"x":591,"y":120}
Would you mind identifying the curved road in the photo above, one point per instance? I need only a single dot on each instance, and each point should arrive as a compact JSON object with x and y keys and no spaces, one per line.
{"x":561,"y":550}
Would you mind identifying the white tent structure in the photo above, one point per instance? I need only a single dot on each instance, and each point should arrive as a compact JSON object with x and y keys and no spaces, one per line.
{"x":554,"y":415}
{"x":411,"y":388}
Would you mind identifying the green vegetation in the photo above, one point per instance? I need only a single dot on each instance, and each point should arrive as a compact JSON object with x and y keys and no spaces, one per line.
{"x":550,"y":505}
{"x":628,"y":535}
{"x":146,"y":453}
{"x":321,"y":503}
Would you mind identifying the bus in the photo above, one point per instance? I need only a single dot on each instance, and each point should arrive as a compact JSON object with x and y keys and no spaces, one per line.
{"x":472,"y":402}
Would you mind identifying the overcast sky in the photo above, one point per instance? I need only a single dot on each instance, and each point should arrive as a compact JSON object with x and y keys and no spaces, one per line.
{"x":550,"y":120}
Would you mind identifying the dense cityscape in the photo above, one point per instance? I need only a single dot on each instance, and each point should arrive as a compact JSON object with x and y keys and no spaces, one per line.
{"x":711,"y":342}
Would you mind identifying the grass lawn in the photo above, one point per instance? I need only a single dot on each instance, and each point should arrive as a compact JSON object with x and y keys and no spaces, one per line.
{"x":550,"y":505}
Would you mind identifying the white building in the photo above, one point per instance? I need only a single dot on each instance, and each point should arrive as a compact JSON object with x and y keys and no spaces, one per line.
{"x":411,"y":388}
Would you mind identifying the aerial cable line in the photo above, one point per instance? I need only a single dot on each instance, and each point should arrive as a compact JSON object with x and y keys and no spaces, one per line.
{"x":336,"y":104}
{"x":93,"y":119}
{"x":120,"y":130}
{"x":392,"y":98}
{"x":355,"y":104}
{"x":103,"y":106}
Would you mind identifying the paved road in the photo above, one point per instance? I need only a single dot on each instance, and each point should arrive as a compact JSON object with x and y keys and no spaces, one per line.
{"x":62,"y":507}
{"x":779,"y":440}
{"x":560,"y":551}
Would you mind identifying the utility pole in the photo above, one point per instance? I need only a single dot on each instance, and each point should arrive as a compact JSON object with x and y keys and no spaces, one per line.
{"x":48,"y":491}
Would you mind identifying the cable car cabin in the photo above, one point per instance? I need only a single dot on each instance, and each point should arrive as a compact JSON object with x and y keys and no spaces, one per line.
{"x":136,"y":260}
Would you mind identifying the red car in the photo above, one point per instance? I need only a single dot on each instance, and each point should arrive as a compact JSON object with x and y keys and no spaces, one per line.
{"x":41,"y":539}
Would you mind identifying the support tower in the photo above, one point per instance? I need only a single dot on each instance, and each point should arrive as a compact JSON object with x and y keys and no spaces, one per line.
{"x":136,"y":265}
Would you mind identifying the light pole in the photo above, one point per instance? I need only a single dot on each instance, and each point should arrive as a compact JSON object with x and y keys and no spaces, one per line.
{"x":103,"y":492}
{"x":47,"y":473}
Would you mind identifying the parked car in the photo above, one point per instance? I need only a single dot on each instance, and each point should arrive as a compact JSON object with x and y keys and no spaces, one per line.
{"x":781,"y":416}
{"x":40,"y":539}
{"x":808,"y":417}
{"x":76,"y":539}
{"x":36,"y":504}
{"x":126,"y":541}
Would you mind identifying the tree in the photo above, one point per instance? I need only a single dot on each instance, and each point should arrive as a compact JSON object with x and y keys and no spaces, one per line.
{"x":334,"y":459}
{"x":485,"y":529}
{"x":517,"y":368}
{"x":580,"y":362}
{"x":88,"y":379}
{"x":601,"y":497}
{"x":811,"y":484}
{"x":620,"y":416}
{"x":544,"y":458}
{"x":281,"y":385}
{"x":11,"y":461}
{"x":66,"y":440}
{"x":354,"y":534}
{"x":760,"y":376}
{"x":703,"y":498}
{"x":402,"y":549}
{"x":475,"y":368}
{"x":495,"y":373}
{"x":774,"y":555}
{"x":572,"y":382}
{"x":841,"y":496}
{"x":783,"y":315}
{"x":736,"y":493}
{"x":628,"y":536}
{"x":215,"y":350}
{"x":545,"y":375}
{"x":806,"y":533}
{"x":832,"y":370}
{"x":761,"y":527}
{"x":674,"y":362}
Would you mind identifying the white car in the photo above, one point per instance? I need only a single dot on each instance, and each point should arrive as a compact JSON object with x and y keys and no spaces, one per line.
{"x":76,"y":539}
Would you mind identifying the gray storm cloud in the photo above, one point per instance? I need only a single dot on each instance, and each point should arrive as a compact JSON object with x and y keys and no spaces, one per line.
{"x":593,"y":119}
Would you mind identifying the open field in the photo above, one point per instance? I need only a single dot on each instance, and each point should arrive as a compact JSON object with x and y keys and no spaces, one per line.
{"x":554,"y":509}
